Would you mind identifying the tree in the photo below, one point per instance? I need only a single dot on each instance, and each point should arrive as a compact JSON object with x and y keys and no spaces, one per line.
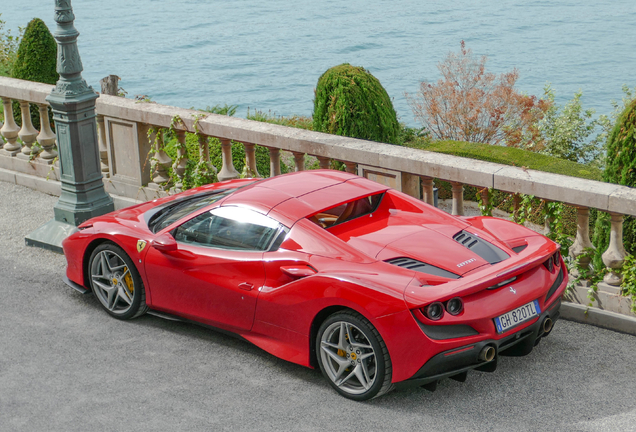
{"x":620,"y":169}
{"x":567,"y":129}
{"x":8,"y":49}
{"x":351,"y":102}
{"x":471,"y":104}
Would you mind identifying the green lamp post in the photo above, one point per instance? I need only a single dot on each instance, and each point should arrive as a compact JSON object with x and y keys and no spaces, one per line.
{"x":73,"y":104}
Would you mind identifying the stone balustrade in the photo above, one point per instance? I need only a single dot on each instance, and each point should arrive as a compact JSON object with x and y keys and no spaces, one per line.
{"x":135,"y":166}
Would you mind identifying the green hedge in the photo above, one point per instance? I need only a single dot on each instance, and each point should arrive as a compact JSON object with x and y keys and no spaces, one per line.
{"x":351,"y":102}
{"x":36,"y":61}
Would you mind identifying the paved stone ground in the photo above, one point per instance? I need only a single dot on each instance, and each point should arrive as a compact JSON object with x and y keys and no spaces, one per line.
{"x":67,"y":366}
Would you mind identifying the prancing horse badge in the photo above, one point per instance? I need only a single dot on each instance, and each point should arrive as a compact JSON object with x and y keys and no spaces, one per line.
{"x":141,"y":244}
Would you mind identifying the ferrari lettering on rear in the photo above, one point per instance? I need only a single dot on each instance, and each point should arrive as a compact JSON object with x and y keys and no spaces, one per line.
{"x":462,"y":264}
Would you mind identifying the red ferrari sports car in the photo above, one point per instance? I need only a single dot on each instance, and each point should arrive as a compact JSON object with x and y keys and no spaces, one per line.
{"x":327,"y":269}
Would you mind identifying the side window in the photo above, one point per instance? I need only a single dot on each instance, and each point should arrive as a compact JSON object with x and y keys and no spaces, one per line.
{"x":230,"y":228}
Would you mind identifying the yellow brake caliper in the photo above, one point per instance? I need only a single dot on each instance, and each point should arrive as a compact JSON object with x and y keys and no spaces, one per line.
{"x":128,"y":280}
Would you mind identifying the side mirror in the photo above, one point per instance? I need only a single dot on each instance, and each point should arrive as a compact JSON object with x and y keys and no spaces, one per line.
{"x":165,"y":243}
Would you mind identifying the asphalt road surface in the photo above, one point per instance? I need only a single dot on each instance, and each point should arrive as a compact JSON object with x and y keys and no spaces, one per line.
{"x":65,"y":365}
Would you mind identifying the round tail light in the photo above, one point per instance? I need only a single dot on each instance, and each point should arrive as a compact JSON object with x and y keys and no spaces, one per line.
{"x":435,"y":311}
{"x":454,"y":306}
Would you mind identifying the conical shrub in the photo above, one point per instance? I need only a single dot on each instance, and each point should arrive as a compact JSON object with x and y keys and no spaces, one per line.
{"x":351,"y":102}
{"x":36,"y":61}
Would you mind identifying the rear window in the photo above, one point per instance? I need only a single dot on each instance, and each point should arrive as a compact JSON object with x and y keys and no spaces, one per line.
{"x":345,"y":212}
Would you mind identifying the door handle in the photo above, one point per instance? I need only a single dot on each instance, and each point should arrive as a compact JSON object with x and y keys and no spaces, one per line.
{"x":246,"y":286}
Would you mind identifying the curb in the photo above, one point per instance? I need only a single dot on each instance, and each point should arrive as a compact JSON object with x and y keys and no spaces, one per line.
{"x":598,"y":317}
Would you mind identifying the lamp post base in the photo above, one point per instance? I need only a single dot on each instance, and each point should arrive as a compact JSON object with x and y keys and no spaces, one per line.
{"x":50,"y":235}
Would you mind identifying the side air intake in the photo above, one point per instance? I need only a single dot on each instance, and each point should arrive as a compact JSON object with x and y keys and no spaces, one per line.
{"x":422,"y":267}
{"x":481,"y":247}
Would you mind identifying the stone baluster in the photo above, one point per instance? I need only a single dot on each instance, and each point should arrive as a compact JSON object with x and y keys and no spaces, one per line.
{"x":274,"y":161}
{"x":614,"y":256}
{"x":205,"y":167}
{"x":458,"y":198}
{"x":324,"y":162}
{"x":180,"y":164}
{"x":10,"y":129}
{"x":428,"y":195}
{"x":160,"y":162}
{"x":103,"y":149}
{"x":228,"y":171}
{"x":46,"y":138}
{"x":204,"y":149}
{"x":548,"y":220}
{"x":28,"y":134}
{"x":516,"y":204}
{"x":581,"y":243}
{"x":350,"y":167}
{"x":485,"y":197}
{"x":299,"y":161}
{"x":250,"y":159}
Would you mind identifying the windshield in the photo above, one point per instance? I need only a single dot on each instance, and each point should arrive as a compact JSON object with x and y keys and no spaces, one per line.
{"x":181,"y":208}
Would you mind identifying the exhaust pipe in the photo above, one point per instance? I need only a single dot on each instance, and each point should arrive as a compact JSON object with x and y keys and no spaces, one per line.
{"x":487,"y":354}
{"x":547,"y":326}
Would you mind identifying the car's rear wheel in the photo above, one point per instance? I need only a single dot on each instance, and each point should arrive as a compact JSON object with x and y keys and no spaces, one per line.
{"x":353,"y":357}
{"x":116,"y":282}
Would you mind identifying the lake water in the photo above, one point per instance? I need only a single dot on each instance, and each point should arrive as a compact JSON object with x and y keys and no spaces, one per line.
{"x":268,"y":55}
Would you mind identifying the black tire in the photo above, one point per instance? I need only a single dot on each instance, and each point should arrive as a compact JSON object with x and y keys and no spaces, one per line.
{"x":112,"y":277}
{"x":366,"y":357}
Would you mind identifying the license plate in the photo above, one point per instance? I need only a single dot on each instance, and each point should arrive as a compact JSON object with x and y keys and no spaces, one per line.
{"x":517,"y":316}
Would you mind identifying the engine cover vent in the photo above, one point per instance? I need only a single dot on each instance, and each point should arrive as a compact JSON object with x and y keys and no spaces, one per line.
{"x":518,"y":249}
{"x":481,"y":247}
{"x":422,"y":267}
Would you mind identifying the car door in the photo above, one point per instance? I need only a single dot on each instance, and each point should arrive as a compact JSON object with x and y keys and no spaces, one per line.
{"x":216,"y":271}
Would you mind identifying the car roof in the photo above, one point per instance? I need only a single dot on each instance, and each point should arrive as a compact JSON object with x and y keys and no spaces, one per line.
{"x":293,"y":196}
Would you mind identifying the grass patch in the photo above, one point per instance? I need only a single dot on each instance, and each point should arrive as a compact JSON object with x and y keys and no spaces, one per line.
{"x":509,"y":156}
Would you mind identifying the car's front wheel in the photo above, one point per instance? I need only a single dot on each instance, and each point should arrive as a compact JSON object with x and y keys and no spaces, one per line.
{"x":353,"y":357}
{"x":116,"y":282}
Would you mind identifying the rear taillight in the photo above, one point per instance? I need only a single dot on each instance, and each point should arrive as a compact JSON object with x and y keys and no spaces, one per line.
{"x":454,"y":306}
{"x":549,"y":263}
{"x":434,"y":311}
{"x":553,"y":261}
